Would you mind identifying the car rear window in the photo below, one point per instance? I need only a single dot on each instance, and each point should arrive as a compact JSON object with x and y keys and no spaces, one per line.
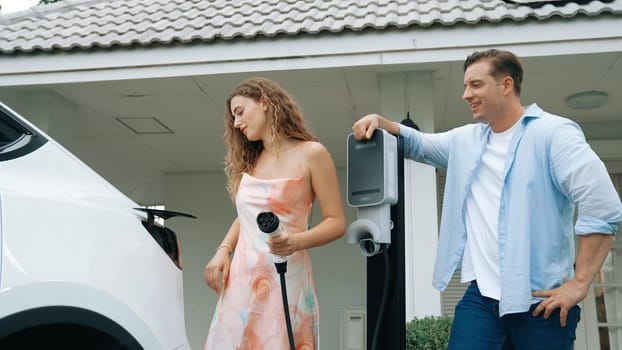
{"x":9,"y":133}
{"x":16,"y":138}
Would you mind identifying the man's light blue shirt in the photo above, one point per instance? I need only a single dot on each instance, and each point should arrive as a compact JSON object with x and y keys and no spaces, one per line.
{"x":549,"y":171}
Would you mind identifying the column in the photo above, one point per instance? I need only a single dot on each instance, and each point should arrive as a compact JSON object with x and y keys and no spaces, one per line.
{"x":403,"y":92}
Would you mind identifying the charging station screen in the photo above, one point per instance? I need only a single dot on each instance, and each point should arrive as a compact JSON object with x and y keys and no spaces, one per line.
{"x":365,"y":172}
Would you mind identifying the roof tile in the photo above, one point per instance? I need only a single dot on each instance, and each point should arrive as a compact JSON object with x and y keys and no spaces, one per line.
{"x":86,"y":24}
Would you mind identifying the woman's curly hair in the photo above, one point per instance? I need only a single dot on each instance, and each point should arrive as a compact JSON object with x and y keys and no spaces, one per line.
{"x":285,"y":119}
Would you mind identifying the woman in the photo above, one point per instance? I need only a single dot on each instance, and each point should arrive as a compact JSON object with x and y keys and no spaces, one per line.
{"x":273,"y":163}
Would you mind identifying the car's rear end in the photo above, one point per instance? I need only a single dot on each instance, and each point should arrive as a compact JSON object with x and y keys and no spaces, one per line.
{"x":77,"y":257}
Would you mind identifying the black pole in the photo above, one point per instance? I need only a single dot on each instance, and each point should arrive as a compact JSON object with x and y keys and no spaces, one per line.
{"x":392,"y":331}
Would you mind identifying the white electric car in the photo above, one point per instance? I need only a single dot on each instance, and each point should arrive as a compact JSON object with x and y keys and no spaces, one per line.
{"x":81,"y":265}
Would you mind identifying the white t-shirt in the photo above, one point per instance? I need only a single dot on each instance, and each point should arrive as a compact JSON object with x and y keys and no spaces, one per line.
{"x":481,"y":255}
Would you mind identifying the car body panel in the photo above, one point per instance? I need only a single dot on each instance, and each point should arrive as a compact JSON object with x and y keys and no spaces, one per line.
{"x":69,"y":238}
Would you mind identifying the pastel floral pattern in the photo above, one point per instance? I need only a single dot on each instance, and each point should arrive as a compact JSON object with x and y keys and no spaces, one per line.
{"x":249,"y":314}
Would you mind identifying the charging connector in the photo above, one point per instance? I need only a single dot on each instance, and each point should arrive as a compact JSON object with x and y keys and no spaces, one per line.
{"x":269,"y":223}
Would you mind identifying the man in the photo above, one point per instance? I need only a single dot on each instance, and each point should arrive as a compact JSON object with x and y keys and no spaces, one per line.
{"x":513,"y":183}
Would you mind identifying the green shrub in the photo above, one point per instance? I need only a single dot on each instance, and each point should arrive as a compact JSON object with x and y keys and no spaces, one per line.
{"x":428,"y":333}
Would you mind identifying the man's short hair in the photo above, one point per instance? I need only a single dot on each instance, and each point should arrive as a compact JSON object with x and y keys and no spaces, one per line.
{"x":502,"y":63}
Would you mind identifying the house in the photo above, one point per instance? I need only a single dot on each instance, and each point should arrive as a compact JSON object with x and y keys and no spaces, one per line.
{"x":137,"y":90}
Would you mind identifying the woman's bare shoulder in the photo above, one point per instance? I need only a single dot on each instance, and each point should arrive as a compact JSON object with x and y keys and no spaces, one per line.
{"x":316,"y":155}
{"x":313,"y":148}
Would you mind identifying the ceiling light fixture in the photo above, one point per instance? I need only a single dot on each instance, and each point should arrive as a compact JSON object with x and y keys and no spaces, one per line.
{"x":587,"y":99}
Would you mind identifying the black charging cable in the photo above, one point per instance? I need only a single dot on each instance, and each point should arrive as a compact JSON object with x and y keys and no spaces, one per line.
{"x":269,"y":223}
{"x":385,"y":294}
{"x":281,"y":268}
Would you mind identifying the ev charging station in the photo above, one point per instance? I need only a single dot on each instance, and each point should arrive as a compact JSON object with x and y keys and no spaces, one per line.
{"x":375,"y":186}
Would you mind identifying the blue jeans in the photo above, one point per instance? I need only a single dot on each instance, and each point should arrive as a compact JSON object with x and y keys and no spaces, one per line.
{"x":477,"y":326}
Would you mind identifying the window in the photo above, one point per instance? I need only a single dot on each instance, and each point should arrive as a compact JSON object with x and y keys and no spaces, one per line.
{"x":16,"y":138}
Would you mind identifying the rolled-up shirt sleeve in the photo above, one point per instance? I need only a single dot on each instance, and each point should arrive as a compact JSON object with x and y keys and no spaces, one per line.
{"x":583,"y":178}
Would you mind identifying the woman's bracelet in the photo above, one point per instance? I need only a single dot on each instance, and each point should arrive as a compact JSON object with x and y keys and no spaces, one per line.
{"x":225,"y":246}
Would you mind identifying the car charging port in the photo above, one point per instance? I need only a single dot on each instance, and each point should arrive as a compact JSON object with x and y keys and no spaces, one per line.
{"x":165,"y":237}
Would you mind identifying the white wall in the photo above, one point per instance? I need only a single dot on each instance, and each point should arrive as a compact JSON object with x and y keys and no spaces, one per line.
{"x":614,"y":166}
{"x":339,"y":268}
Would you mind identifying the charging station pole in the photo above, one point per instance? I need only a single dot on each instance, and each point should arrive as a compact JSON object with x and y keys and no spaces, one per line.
{"x":392,"y":332}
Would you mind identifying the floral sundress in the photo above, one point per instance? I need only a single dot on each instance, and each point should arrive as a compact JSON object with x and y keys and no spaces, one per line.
{"x":249,"y":314}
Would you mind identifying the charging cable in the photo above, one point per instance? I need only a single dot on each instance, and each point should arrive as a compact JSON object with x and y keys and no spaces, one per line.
{"x":385,"y":293}
{"x":269,"y":223}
